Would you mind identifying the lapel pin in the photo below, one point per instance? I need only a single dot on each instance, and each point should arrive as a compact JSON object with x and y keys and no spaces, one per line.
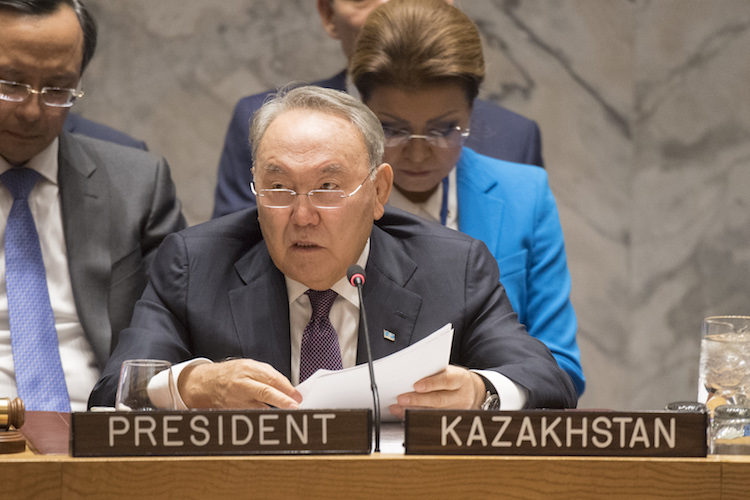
{"x":389,"y":335}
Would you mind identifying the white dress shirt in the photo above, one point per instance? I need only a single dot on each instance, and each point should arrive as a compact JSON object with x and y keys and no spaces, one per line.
{"x":78,"y":360}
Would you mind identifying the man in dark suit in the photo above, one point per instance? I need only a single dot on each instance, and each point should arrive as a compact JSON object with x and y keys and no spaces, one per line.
{"x":495,"y":131}
{"x":99,"y":209}
{"x":238,"y":286}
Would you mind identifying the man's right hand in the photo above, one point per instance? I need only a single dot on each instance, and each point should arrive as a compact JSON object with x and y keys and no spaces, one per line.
{"x":235,"y":384}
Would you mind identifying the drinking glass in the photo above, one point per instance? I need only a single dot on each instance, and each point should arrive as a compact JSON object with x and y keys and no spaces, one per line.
{"x":725,"y":361}
{"x":730,"y":430}
{"x":133,"y":390}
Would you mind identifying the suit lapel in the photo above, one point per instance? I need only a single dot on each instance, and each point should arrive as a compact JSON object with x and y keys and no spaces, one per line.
{"x":390,"y":307}
{"x":480,"y":213}
{"x":86,"y":219}
{"x":260,"y":310}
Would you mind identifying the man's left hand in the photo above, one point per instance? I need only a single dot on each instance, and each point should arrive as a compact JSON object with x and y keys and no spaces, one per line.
{"x":453,"y":388}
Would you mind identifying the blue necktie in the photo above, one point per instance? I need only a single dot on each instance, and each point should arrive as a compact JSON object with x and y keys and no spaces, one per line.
{"x":320,"y":343}
{"x":36,"y":353}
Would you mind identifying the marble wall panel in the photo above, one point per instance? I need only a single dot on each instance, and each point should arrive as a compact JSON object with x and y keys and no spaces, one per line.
{"x":643,"y":107}
{"x":691,"y":203}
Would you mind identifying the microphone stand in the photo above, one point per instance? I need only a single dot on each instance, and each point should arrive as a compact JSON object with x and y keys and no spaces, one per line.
{"x":358,"y":281}
{"x":373,"y":385}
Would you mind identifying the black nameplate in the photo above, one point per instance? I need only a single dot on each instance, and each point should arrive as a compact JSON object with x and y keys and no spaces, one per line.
{"x":556,"y":433}
{"x":219,"y":432}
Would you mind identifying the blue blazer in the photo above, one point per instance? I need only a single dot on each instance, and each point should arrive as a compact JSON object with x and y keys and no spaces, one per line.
{"x":511,"y":208}
{"x":495,"y":132}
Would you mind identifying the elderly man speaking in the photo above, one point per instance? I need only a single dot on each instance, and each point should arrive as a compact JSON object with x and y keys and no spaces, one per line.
{"x":247,"y":285}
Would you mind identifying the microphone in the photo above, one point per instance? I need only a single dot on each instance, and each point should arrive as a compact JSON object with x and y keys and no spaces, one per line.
{"x":356,"y":276}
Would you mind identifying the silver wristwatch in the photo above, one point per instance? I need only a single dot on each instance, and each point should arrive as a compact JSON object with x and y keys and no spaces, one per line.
{"x":491,"y":401}
{"x":491,"y":398}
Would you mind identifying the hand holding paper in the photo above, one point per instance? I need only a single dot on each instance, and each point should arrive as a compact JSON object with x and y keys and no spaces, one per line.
{"x":395,"y":374}
{"x":453,"y":388}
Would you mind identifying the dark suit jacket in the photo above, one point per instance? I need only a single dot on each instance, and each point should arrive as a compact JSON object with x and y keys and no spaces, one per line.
{"x":76,"y":124}
{"x":118,"y":204}
{"x":215,"y":292}
{"x":495,"y":132}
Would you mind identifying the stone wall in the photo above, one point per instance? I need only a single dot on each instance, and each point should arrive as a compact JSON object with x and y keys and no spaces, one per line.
{"x":644,"y":107}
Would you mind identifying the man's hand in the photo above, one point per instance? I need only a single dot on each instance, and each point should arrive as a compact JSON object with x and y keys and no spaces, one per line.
{"x":239,"y":383}
{"x":454,"y":387}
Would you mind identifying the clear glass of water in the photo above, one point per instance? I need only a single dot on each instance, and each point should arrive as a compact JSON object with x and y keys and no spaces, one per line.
{"x":133,"y":391}
{"x":725,"y":361}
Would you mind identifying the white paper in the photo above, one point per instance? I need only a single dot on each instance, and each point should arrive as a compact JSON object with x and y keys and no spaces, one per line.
{"x":395,"y":374}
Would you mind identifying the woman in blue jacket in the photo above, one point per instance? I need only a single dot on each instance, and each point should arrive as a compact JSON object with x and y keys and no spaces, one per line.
{"x":418,"y":65}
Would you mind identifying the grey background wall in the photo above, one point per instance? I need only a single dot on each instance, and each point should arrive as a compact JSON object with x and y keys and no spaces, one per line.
{"x":644,"y":107}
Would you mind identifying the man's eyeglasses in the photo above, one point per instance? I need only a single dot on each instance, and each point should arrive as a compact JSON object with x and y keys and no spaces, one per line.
{"x":320,"y":198}
{"x":438,"y":138}
{"x":55,"y":97}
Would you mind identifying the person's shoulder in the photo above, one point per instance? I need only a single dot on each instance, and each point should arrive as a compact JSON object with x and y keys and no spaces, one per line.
{"x":224,"y":240}
{"x":129,"y":168}
{"x":402,"y":240}
{"x":501,"y":133}
{"x":404,"y":226}
{"x":104,"y":152}
{"x":250,"y":104}
{"x":77,"y":124}
{"x":519,"y":186}
{"x":337,"y":81}
{"x":504,"y":172}
{"x":241,"y":225}
{"x":491,"y":112}
{"x":507,"y":174}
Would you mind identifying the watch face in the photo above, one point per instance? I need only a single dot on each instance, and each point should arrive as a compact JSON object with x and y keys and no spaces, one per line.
{"x":492,"y":402}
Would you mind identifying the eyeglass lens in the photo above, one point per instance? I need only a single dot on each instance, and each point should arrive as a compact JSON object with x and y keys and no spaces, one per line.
{"x":282,"y":198}
{"x":451,"y":137}
{"x":52,"y":96}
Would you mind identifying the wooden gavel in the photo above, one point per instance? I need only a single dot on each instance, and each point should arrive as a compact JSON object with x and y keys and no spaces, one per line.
{"x":12,"y":413}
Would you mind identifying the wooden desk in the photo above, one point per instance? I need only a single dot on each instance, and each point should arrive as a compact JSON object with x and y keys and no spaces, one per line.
{"x":376,"y":476}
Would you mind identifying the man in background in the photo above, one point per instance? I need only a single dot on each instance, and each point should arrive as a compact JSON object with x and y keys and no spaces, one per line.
{"x":81,"y":218}
{"x":495,"y":131}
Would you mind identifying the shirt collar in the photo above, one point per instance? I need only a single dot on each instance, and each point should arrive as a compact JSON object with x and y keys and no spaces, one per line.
{"x":295,"y":289}
{"x":45,"y":162}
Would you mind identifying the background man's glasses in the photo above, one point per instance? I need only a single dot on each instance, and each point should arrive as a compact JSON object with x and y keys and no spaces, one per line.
{"x":56,"y":97}
{"x":438,"y":138}
{"x":320,"y":198}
